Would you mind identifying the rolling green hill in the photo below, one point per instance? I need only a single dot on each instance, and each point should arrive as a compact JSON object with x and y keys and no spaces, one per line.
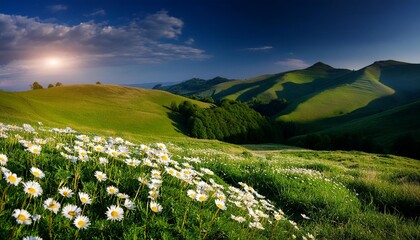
{"x":92,"y":108}
{"x":322,"y":92}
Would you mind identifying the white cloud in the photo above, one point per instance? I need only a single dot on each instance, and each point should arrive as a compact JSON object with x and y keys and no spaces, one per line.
{"x":57,"y":8}
{"x":293,"y":63}
{"x":148,"y":40}
{"x":262,"y":48}
{"x":190,"y":41}
{"x":99,"y":12}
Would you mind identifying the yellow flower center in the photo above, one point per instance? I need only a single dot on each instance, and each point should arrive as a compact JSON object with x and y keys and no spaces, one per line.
{"x":220,"y":205}
{"x":66,"y":193}
{"x":154,"y":208}
{"x":11,"y":178}
{"x":111,"y":190}
{"x":52,"y":205}
{"x":164,"y":158}
{"x":81,"y":223}
{"x":32,"y":190}
{"x":114,"y":214}
{"x":36,"y":174}
{"x":202,"y":198}
{"x":22,"y":217}
{"x":84,"y":199}
{"x":72,"y":213}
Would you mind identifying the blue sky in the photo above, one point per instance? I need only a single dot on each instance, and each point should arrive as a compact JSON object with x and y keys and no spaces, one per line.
{"x":126,"y":42}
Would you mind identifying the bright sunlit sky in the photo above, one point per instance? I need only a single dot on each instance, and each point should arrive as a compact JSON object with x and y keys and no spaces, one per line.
{"x":127,"y":42}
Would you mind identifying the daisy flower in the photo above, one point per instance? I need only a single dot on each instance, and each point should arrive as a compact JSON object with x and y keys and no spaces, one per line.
{"x":70,"y":211}
{"x":191,"y":193}
{"x":132,"y":162}
{"x":115,"y":213}
{"x":129,"y":204}
{"x":3,"y":159}
{"x":111,"y":190}
{"x":32,"y":238}
{"x":153,"y":194}
{"x":84,"y":198}
{"x":100,"y":176}
{"x":32,"y":188}
{"x":220,"y":204}
{"x":22,"y":216}
{"x":98,"y":148}
{"x":37,"y":172}
{"x":81,"y":222}
{"x":155,"y":174}
{"x":155,"y":207}
{"x":103,"y":160}
{"x":65,"y":192}
{"x":201,"y":197}
{"x":52,"y":205}
{"x":12,"y":178}
{"x":35,"y":149}
{"x":304,"y":216}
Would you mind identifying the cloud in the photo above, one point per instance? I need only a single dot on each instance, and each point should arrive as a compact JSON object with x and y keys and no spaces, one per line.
{"x":148,"y":40}
{"x":57,"y":8}
{"x":99,"y":12}
{"x":190,"y":41}
{"x":256,"y":49}
{"x":293,"y":63}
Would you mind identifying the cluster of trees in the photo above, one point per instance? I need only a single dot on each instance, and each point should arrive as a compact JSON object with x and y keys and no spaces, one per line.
{"x":36,"y":85}
{"x":229,"y":121}
{"x":268,"y":109}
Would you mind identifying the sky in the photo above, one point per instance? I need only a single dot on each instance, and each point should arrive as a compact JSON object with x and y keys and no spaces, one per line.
{"x":143,"y":41}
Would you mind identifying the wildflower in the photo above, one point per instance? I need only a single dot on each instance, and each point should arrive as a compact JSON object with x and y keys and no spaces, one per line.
{"x":257,"y":225}
{"x":65,"y":192}
{"x":22,"y":216}
{"x":81,"y":222}
{"x":161,"y":146}
{"x":111,"y":190}
{"x":100,"y":176}
{"x":32,"y":188}
{"x":144,"y":148}
{"x":32,"y":238}
{"x":3,"y":159}
{"x":85,"y":198}
{"x":103,"y":160}
{"x":153,"y":194}
{"x":220,"y":204}
{"x":115,"y":213}
{"x":207,"y":171}
{"x":155,"y":207}
{"x":155,"y":174}
{"x":191,"y":193}
{"x":12,"y":178}
{"x":70,"y":211}
{"x":123,"y":196}
{"x":98,"y":148}
{"x":304,"y":216}
{"x":52,"y":205}
{"x":37,"y":172}
{"x":36,"y":217}
{"x":237,"y":218}
{"x":132,"y":162}
{"x":129,"y":204}
{"x":201,"y":197}
{"x":35,"y":149}
{"x":278,"y":217}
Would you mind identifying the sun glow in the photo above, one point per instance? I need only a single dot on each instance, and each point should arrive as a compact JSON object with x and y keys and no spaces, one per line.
{"x":53,"y":62}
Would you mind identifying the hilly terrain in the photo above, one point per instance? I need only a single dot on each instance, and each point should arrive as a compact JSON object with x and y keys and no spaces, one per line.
{"x":320,"y":91}
{"x":96,"y":108}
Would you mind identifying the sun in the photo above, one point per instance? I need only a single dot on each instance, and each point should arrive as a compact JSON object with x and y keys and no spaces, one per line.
{"x":53,"y":62}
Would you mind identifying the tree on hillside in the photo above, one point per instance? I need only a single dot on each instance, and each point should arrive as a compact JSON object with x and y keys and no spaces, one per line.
{"x":98,"y":82}
{"x":36,"y":85}
{"x":50,"y":85}
{"x":58,"y":84}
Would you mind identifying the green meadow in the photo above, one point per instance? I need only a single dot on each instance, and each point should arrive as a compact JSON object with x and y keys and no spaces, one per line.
{"x":267,"y":191}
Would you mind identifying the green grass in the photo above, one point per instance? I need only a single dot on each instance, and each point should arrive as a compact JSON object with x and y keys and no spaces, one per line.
{"x":103,"y":109}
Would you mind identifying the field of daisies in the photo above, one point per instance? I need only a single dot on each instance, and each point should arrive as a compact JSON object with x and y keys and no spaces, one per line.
{"x":61,"y":184}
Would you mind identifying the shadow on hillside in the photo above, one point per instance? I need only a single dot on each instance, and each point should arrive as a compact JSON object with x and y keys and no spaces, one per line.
{"x":178,"y":121}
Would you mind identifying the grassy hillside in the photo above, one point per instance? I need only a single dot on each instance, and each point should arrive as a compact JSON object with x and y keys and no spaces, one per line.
{"x":93,"y":108}
{"x":321,"y":92}
{"x":262,"y":195}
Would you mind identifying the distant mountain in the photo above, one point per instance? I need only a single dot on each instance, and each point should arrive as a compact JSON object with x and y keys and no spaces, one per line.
{"x":150,"y":85}
{"x":194,"y":86}
{"x":319,"y":92}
